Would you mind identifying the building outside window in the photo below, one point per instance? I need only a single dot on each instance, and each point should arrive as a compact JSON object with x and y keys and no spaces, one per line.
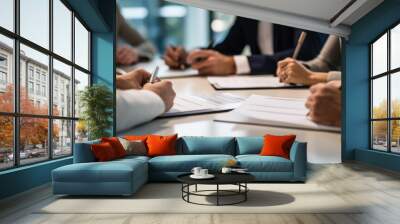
{"x":44,"y":91}
{"x":385,"y":91}
{"x":38,"y":89}
{"x":30,"y":87}
{"x":3,"y":72}
{"x":50,"y":135}
{"x":30,"y":72}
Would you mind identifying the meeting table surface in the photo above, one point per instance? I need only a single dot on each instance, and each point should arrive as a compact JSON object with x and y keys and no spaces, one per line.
{"x":322,"y":146}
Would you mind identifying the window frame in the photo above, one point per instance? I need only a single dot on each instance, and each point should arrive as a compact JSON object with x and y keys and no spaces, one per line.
{"x":16,"y":114}
{"x":388,"y":74}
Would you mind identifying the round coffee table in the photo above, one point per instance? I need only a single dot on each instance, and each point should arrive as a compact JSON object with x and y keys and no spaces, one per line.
{"x":238,"y":179}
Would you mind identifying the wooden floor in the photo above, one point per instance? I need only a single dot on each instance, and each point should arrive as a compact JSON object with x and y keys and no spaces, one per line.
{"x":351,"y":181}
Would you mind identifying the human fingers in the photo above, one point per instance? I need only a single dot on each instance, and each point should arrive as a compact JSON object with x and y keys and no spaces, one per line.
{"x":197,"y":54}
{"x":203,"y":64}
{"x":171,"y":62}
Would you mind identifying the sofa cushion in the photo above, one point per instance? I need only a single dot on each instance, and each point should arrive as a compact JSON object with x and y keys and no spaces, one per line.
{"x":185,"y":163}
{"x":159,"y":145}
{"x":112,"y":171}
{"x":135,"y":147}
{"x":249,"y":145}
{"x":103,"y":152}
{"x":275,"y":145}
{"x":116,"y":145}
{"x":257,"y":163}
{"x":193,"y":145}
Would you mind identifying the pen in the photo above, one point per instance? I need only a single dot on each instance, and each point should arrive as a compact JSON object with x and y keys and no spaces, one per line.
{"x":154,"y":75}
{"x":299,"y":44}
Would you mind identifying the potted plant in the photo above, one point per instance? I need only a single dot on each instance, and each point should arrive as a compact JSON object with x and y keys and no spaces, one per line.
{"x":96,"y":103}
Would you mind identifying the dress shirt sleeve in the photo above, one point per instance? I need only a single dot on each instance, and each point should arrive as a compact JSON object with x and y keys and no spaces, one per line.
{"x":137,"y":106}
{"x":242,"y":64}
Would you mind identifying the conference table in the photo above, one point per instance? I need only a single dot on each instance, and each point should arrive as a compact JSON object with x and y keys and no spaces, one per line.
{"x":322,"y":146}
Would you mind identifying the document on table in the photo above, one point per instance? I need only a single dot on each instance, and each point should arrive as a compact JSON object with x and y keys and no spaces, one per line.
{"x":274,"y":111}
{"x":199,"y":104}
{"x":164,"y":71}
{"x":248,"y":82}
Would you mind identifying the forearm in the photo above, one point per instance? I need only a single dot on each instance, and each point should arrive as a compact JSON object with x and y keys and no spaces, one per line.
{"x":137,"y":106}
{"x":317,"y":77}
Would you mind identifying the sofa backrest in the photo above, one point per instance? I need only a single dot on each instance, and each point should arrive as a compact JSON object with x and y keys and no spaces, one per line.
{"x":192,"y":145}
{"x":83,"y":152}
{"x":249,"y":145}
{"x":195,"y":145}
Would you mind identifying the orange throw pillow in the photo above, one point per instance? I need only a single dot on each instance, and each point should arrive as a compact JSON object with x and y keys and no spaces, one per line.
{"x":161,"y":145}
{"x":277,"y":145}
{"x":103,"y":152}
{"x":136,"y":137}
{"x":116,"y":145}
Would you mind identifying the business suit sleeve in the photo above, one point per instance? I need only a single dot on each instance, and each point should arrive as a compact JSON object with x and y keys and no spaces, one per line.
{"x":235,"y":41}
{"x":267,"y":64}
{"x":145,"y":48}
{"x":137,"y":106}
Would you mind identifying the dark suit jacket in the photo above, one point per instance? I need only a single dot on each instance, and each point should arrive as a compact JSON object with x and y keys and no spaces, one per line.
{"x":245,"y":32}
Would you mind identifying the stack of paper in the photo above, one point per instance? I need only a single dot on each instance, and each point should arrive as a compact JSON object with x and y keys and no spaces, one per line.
{"x":273,"y":111}
{"x":248,"y":82}
{"x":198,"y":104}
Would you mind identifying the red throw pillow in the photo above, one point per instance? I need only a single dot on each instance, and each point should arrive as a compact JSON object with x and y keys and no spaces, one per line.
{"x":136,"y":137}
{"x":277,"y":145}
{"x":116,"y":145}
{"x":103,"y":152}
{"x":161,"y":145}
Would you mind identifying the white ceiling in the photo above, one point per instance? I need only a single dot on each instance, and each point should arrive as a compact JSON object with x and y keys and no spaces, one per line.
{"x":315,"y":15}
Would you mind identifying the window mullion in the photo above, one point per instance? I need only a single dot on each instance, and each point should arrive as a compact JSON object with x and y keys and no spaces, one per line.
{"x":50,"y":81}
{"x":16,"y":85}
{"x":371,"y":89}
{"x":73,"y":82}
{"x":389,"y":101}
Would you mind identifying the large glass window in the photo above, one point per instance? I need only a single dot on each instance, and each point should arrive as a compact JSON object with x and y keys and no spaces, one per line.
{"x":6,"y":142}
{"x":385,"y":92}
{"x":81,"y":45}
{"x":7,"y":14}
{"x":7,"y":74}
{"x":62,"y":28}
{"x":34,"y":21}
{"x":40,"y":124}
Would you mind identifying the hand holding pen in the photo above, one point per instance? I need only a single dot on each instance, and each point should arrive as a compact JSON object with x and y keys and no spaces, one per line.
{"x":175,"y":57}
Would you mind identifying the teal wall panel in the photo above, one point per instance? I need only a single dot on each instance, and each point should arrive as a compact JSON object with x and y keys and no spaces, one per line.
{"x":103,"y":64}
{"x":356,"y":127}
{"x":376,"y":158}
{"x":24,"y":178}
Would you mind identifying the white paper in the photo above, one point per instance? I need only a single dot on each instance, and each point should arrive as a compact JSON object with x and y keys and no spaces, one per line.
{"x":247,"y":82}
{"x":195,"y":104}
{"x":274,"y":111}
{"x":164,"y":71}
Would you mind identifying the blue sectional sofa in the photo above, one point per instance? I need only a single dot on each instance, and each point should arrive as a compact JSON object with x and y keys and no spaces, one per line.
{"x":125,"y":176}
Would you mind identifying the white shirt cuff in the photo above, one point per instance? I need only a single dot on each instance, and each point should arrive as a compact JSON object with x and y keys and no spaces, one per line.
{"x":334,"y":75}
{"x":242,"y":64}
{"x":137,"y":106}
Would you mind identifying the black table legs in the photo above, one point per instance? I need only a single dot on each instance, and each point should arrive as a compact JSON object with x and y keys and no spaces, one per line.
{"x":219,"y":194}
